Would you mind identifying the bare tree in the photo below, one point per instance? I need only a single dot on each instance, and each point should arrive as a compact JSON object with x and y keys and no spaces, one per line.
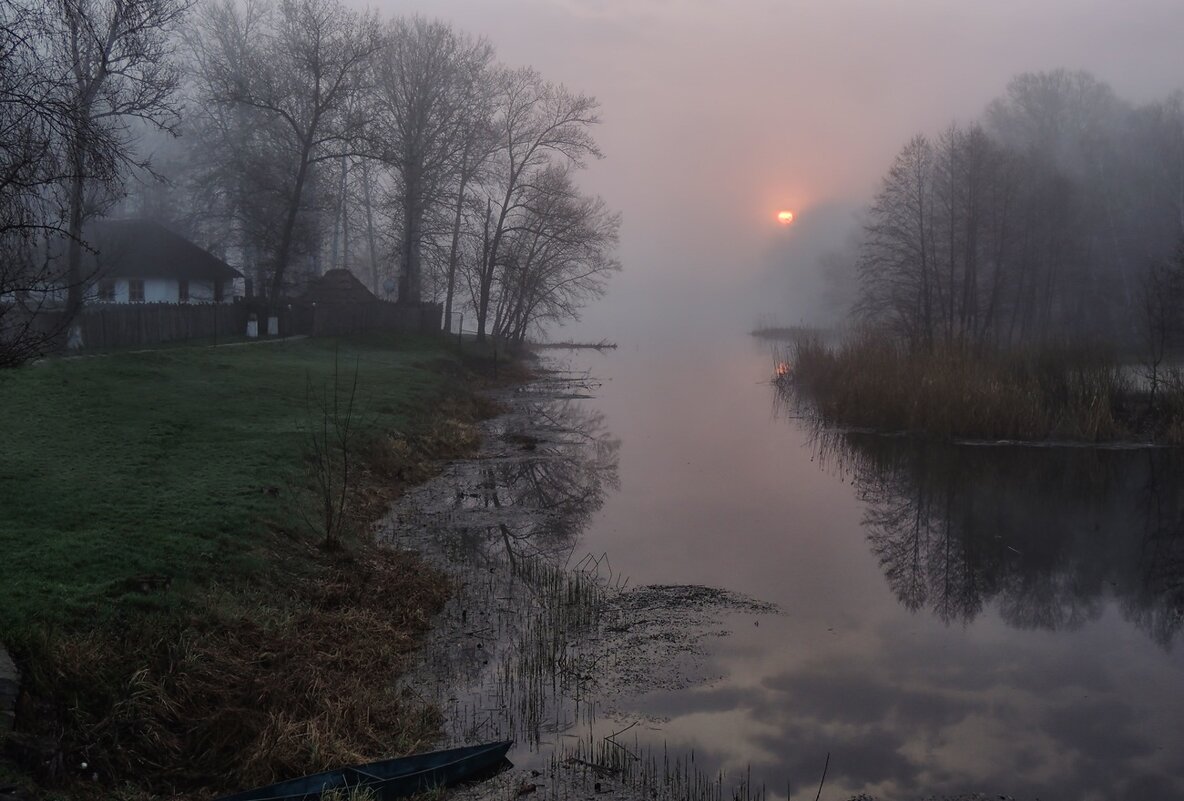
{"x":76,"y":78}
{"x":1028,"y":228}
{"x":938,"y":246}
{"x":367,"y":192}
{"x":537,"y":123}
{"x":469,"y":168}
{"x":29,"y":124}
{"x":332,"y":441}
{"x":1071,"y":125}
{"x":319,"y":132}
{"x":557,"y":258}
{"x":29,"y":168}
{"x":300,"y":64}
{"x":110,"y":61}
{"x":1153,"y":167}
{"x":428,"y":79}
{"x":1161,"y":315}
{"x":1062,"y":116}
{"x":898,"y":259}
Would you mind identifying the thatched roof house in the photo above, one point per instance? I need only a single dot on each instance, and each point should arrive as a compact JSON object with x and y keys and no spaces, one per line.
{"x":138,"y":261}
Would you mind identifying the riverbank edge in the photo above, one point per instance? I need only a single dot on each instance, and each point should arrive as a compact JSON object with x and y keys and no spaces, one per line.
{"x":336,"y":582}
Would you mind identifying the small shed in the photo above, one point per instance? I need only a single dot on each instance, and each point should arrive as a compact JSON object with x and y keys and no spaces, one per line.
{"x":335,"y":303}
{"x":338,"y":303}
{"x":337,"y":287}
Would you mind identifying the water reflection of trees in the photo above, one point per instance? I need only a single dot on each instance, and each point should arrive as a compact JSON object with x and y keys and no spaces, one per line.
{"x":1048,"y":534}
{"x":535,"y":499}
{"x":512,"y":657}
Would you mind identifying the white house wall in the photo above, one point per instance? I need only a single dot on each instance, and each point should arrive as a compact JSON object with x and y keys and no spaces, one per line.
{"x":200,"y":292}
{"x":160,"y":290}
{"x":165,"y":290}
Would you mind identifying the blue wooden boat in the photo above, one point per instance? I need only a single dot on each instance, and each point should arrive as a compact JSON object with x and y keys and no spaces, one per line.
{"x":388,"y":778}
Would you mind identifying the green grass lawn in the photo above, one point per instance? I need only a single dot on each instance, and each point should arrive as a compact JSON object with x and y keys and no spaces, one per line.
{"x":174,"y":463}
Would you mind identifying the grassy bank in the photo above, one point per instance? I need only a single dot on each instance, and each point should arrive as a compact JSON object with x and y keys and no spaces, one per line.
{"x":165,"y":584}
{"x":1033,"y":395}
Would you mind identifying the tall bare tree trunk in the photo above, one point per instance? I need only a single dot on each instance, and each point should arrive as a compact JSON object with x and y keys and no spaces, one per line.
{"x":368,"y":203}
{"x":76,"y":212}
{"x":285,"y":249}
{"x":454,"y":250}
{"x":486,"y":284}
{"x":410,"y":289}
{"x":74,"y":246}
{"x":344,"y":212}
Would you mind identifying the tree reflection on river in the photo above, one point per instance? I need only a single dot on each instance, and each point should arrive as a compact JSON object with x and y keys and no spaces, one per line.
{"x":507,"y":658}
{"x":547,"y":468}
{"x":955,"y":618}
{"x":570,"y":462}
{"x":1047,"y":534}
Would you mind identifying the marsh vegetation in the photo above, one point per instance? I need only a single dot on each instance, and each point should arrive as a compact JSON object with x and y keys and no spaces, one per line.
{"x":1077,"y":394}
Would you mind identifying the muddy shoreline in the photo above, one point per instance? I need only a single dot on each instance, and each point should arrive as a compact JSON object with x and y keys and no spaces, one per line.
{"x":543,"y":642}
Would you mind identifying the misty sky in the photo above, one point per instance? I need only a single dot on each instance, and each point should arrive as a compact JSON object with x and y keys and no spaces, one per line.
{"x":716,"y":114}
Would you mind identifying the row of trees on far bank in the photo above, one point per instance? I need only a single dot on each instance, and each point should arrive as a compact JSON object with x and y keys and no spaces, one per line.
{"x":293,"y":136}
{"x":1057,"y":217}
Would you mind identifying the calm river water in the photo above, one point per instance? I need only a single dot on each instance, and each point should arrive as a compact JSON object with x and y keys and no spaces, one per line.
{"x":954,"y":619}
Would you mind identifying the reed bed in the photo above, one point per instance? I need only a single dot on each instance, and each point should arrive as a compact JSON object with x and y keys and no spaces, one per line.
{"x":542,"y":678}
{"x":523,"y":654}
{"x":1074,"y":394}
{"x":640,"y":771}
{"x":558,"y":624}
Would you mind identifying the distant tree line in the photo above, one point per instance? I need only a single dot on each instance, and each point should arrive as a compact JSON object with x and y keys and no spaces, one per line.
{"x":1058,"y":216}
{"x":294,"y":136}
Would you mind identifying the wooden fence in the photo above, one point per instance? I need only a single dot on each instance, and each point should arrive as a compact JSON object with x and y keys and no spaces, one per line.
{"x":100,"y":326}
{"x":355,"y":318}
{"x":120,"y":325}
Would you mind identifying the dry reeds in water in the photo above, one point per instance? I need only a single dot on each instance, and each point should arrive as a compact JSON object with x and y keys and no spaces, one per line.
{"x":643,"y":772}
{"x":873,"y":382}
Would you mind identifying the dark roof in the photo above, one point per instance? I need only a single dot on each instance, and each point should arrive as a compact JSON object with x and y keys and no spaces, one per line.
{"x":337,"y":286}
{"x":146,"y":249}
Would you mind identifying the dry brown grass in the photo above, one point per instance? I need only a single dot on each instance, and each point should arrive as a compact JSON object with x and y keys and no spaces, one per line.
{"x":873,"y":382}
{"x":259,"y":687}
{"x":391,"y":461}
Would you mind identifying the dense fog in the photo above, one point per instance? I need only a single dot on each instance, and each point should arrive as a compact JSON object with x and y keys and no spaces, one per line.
{"x":709,"y":121}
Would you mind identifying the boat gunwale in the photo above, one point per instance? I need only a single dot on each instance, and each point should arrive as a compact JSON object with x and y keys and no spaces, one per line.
{"x":464,"y":754}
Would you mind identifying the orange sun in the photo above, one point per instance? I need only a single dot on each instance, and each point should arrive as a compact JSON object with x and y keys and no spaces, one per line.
{"x":785,"y":217}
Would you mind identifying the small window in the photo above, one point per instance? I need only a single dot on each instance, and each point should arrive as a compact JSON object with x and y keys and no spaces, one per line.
{"x":106,"y":291}
{"x":182,"y":291}
{"x":135,"y":290}
{"x":219,"y":291}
